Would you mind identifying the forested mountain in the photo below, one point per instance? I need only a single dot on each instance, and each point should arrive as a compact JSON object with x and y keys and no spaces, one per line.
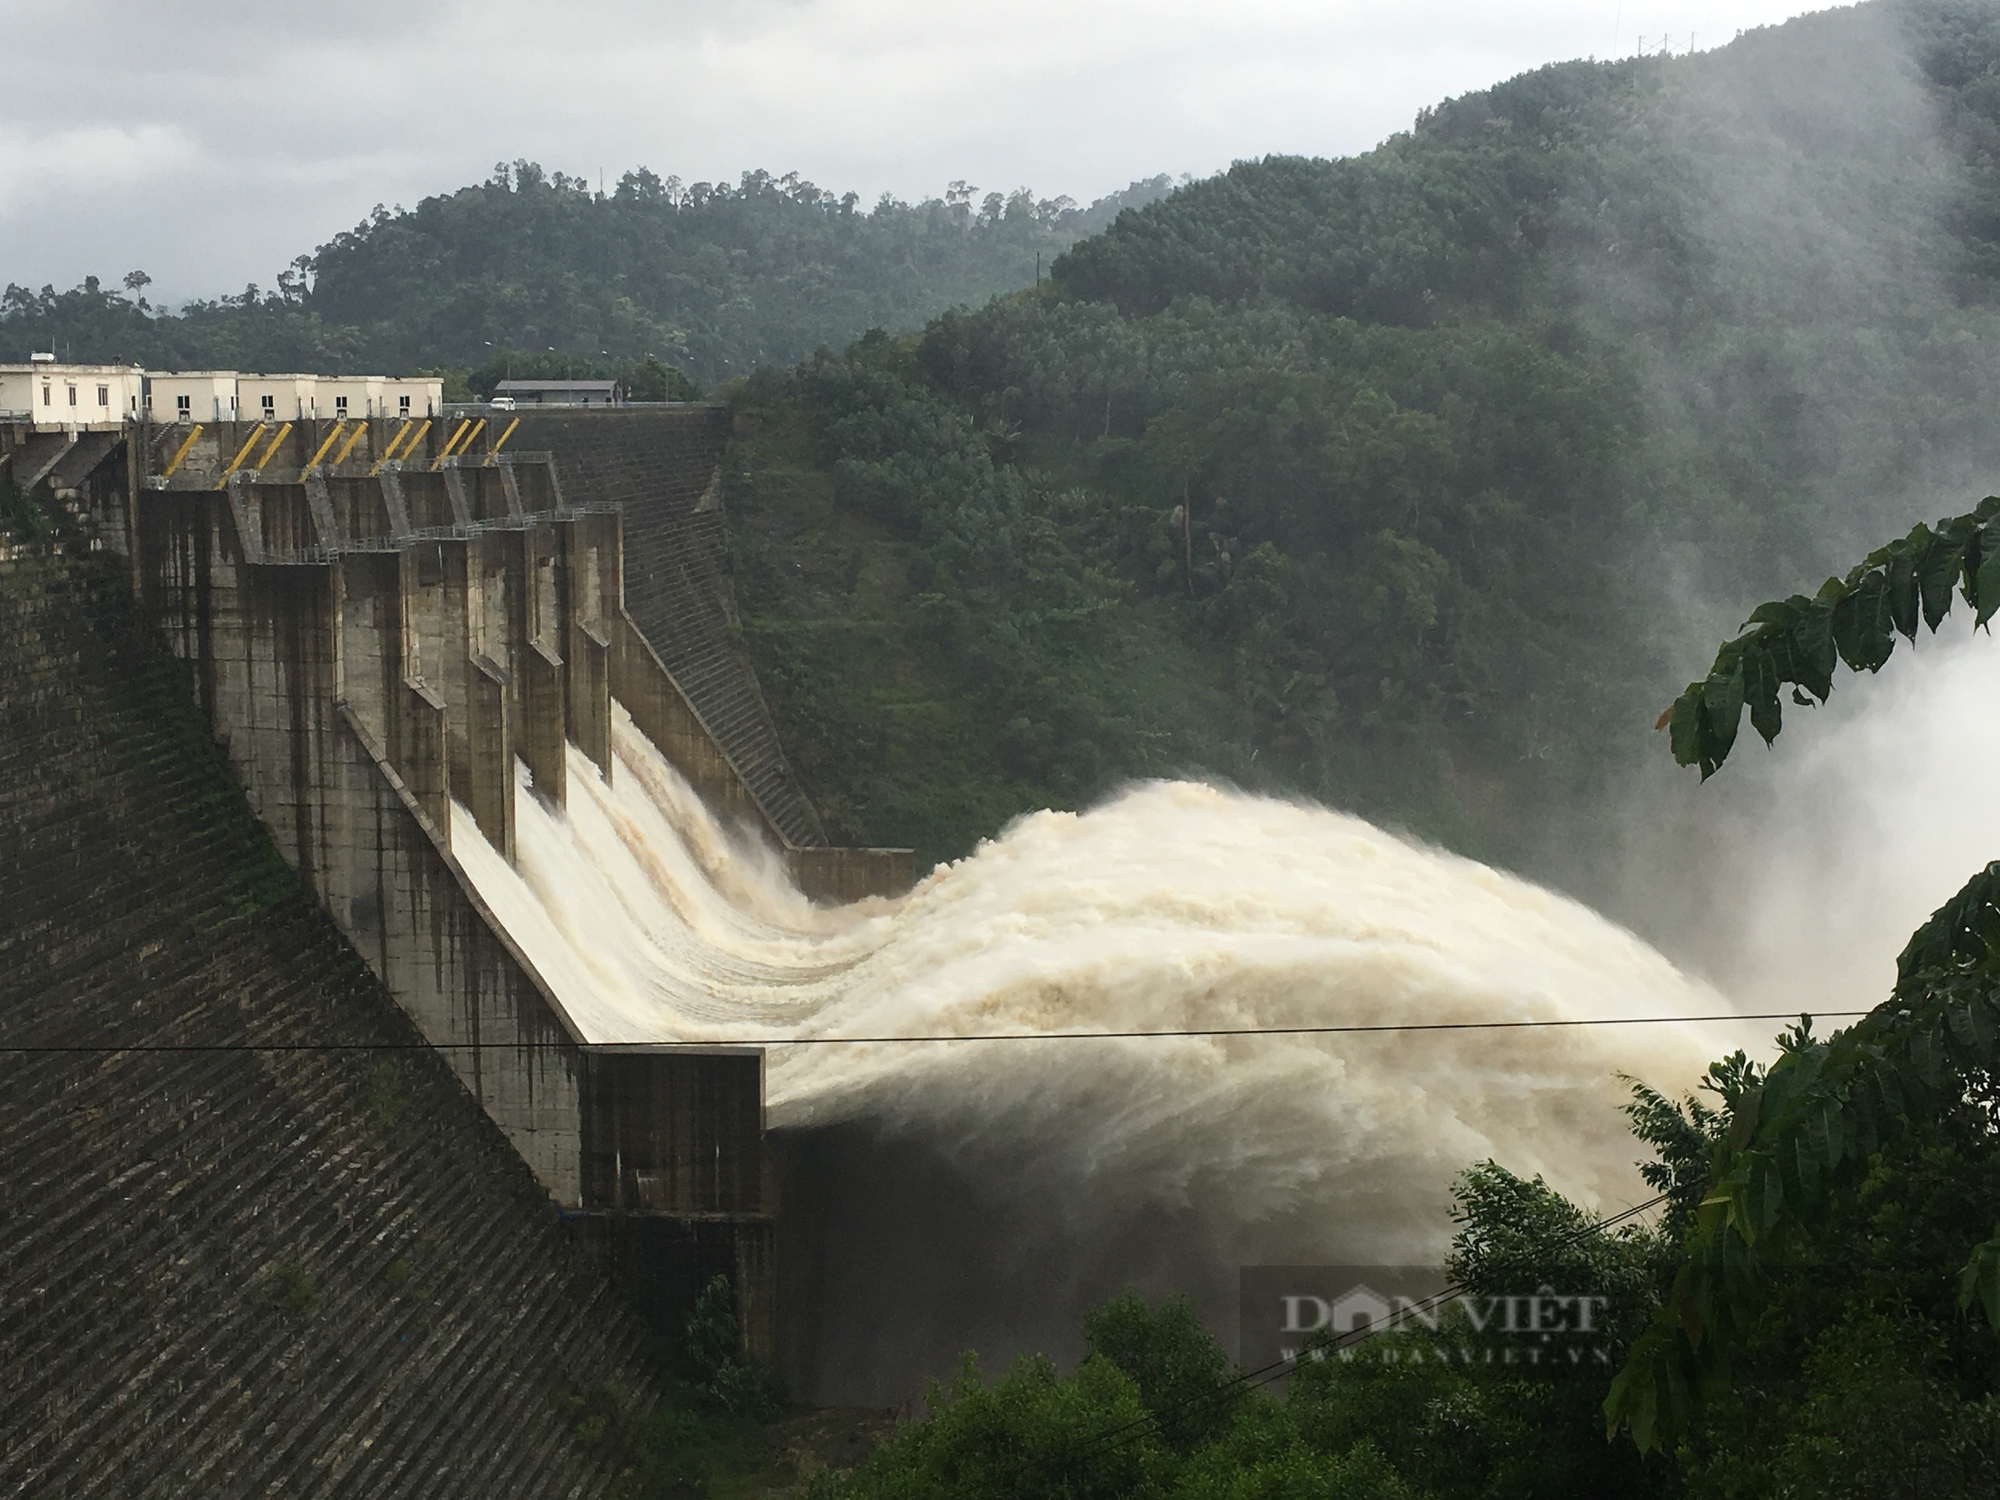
{"x":1422,"y":481}
{"x":529,"y":269}
{"x":1412,"y":480}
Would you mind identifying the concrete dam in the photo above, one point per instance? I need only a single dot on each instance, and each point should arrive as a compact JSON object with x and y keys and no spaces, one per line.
{"x":476,"y":679}
{"x":378,"y":621}
{"x":384,"y":621}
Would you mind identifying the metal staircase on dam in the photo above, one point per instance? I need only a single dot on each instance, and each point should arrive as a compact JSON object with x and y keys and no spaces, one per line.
{"x":662,"y":469}
{"x":680,"y":609}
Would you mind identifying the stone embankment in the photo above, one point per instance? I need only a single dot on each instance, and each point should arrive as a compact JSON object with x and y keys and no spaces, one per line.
{"x":313,"y":1270}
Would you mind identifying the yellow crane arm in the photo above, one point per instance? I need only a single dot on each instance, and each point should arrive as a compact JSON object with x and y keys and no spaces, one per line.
{"x":320,"y":452}
{"x":237,"y":462}
{"x":180,"y":453}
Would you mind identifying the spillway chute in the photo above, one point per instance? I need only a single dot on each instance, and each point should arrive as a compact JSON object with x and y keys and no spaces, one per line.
{"x":1172,"y":906}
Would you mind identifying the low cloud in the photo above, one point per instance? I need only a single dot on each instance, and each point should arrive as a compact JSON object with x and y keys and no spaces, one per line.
{"x":39,"y":165}
{"x":212,"y":145}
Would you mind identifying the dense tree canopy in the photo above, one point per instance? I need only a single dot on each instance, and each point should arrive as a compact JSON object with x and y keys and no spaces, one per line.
{"x":1398,"y":479}
{"x":707,"y":278}
{"x":1299,"y":550}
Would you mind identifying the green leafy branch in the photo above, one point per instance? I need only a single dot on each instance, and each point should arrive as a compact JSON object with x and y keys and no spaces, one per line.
{"x":1809,"y":1126}
{"x":1795,"y":642}
{"x":1823,"y":1110}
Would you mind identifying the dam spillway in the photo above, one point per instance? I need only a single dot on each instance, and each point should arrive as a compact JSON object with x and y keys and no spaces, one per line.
{"x":570,"y":847}
{"x":380,"y":618}
{"x":1080,"y":1156}
{"x":232,"y":1271}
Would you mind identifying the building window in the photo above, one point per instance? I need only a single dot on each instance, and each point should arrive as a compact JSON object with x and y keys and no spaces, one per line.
{"x":47,"y":400}
{"x":72,"y":395}
{"x":104,"y":395}
{"x":340,"y":407}
{"x":270,"y":408}
{"x":403,"y":406}
{"x":183,"y":409}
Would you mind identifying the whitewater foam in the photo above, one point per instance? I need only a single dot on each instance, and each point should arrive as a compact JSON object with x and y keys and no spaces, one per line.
{"x":1174,"y":905}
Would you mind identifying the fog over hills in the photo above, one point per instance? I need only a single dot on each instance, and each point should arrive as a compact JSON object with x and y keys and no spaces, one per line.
{"x":1483,"y":438}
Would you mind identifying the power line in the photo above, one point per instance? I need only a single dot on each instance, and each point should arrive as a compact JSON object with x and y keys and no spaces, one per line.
{"x":885,"y":1041}
{"x":1207,"y":1031}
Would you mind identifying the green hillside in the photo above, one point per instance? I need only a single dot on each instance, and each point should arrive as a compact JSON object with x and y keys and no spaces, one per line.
{"x":537,"y":273}
{"x":1413,"y":480}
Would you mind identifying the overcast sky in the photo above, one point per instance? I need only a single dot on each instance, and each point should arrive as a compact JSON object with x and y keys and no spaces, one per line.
{"x":210,"y":143}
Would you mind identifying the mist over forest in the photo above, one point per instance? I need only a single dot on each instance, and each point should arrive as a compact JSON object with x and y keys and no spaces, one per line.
{"x":1482,"y":438}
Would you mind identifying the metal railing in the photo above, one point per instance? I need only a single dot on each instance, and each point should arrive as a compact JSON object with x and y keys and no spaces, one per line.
{"x":320,"y":554}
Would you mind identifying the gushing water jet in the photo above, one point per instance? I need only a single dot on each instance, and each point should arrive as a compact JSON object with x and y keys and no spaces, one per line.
{"x":977,"y":1193}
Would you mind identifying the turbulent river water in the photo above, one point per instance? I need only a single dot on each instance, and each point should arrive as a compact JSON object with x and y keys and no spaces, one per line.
{"x":979,"y":1193}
